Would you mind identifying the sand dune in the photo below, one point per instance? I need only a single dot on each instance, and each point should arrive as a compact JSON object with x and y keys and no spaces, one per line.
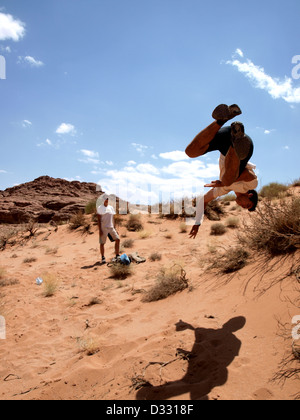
{"x":222,"y":338}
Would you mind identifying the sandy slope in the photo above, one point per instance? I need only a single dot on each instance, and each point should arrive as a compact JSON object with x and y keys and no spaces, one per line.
{"x":234,"y":334}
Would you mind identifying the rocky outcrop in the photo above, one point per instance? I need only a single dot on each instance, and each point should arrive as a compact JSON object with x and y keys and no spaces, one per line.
{"x":45,"y":199}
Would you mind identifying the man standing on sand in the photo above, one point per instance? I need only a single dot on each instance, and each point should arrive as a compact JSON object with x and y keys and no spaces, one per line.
{"x":236,"y":149}
{"x":105,"y":214}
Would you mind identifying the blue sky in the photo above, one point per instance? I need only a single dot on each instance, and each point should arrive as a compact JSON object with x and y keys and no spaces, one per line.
{"x":112,"y":91}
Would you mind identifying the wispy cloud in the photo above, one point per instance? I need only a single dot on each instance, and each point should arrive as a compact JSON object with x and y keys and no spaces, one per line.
{"x":140,"y":148}
{"x":26,"y":123}
{"x":66,"y":128}
{"x":89,"y":156}
{"x":176,"y":156}
{"x":277,"y":88}
{"x":31,"y":61}
{"x":11,"y":28}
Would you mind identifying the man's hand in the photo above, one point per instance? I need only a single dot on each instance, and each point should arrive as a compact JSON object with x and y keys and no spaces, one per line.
{"x":215,"y":184}
{"x":194,"y":231}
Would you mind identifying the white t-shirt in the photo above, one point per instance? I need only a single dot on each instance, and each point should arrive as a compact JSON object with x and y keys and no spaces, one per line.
{"x":107,"y":215}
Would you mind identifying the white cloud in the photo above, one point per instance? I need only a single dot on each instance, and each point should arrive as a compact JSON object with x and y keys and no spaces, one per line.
{"x":2,"y":171}
{"x":5,"y":49}
{"x":177,"y":155}
{"x":277,"y":88}
{"x":239,"y":52}
{"x":11,"y":28}
{"x":147,"y":168}
{"x":49,"y":142}
{"x":140,"y":148}
{"x":89,"y":157}
{"x":89,"y":153}
{"x":66,"y":128}
{"x":32,"y":61}
{"x":131,"y":162}
{"x":26,"y":123}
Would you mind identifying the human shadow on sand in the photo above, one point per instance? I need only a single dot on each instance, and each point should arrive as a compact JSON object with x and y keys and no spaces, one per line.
{"x":87,"y":267}
{"x":213,"y":351}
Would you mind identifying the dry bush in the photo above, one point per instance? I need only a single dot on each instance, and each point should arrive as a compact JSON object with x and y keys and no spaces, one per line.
{"x":214,"y":210}
{"x":232,"y":260}
{"x":77,"y":221}
{"x":274,"y":228}
{"x":217,"y":229}
{"x":89,"y":346}
{"x":183,"y":227}
{"x":232,"y":222}
{"x":155,"y":256}
{"x":120,"y":271}
{"x":134,"y":223}
{"x":168,"y":282}
{"x":273,"y":190}
{"x":50,"y":283}
{"x":90,"y":208}
{"x":128,"y":243}
{"x":145,"y":234}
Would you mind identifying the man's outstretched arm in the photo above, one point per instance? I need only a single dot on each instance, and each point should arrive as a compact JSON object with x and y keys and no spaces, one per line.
{"x":209,"y":196}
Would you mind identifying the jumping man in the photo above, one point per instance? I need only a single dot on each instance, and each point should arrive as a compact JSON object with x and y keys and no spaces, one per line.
{"x":236,"y":149}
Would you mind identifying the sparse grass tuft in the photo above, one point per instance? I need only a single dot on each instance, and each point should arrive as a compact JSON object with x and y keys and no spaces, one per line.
{"x":89,"y":346}
{"x":50,"y":284}
{"x":232,"y":222}
{"x":217,"y":229}
{"x":77,"y":221}
{"x":128,"y":243}
{"x":183,"y":227}
{"x":29,"y":260}
{"x":232,"y":260}
{"x":155,"y":256}
{"x":134,"y":223}
{"x":168,"y":282}
{"x":120,"y":271}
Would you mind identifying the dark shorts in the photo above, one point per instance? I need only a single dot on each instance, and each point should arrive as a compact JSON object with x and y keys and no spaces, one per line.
{"x":222,"y":143}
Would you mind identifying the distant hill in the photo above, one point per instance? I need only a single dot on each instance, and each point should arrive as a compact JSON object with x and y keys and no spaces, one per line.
{"x":45,"y":199}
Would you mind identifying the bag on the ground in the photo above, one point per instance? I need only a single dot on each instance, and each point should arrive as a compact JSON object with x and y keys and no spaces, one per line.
{"x":135,"y":257}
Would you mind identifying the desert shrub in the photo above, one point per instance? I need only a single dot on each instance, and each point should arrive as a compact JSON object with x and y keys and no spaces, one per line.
{"x":274,"y":228}
{"x":232,"y":222}
{"x":217,"y":229}
{"x":144,"y":234}
{"x":29,"y":260}
{"x":232,"y":260}
{"x":183,"y":227}
{"x":128,"y":243}
{"x":77,"y":220}
{"x":214,"y":210}
{"x":120,"y":271}
{"x":50,"y":284}
{"x":89,"y":346}
{"x":155,"y":256}
{"x":296,"y":183}
{"x":168,"y":282}
{"x":90,"y":208}
{"x":273,"y":190}
{"x":134,"y":223}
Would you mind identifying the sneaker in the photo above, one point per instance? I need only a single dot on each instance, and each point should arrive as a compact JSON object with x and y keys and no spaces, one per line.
{"x":237,"y":131}
{"x":224,"y":112}
{"x":103,"y":261}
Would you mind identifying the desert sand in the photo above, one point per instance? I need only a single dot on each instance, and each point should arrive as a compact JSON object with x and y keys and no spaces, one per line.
{"x":225,"y":337}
